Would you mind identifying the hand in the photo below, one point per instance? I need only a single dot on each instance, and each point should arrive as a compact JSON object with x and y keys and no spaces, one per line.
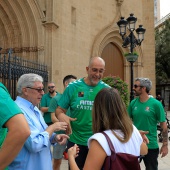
{"x":64,"y":118}
{"x":164,"y":150}
{"x":73,"y":151}
{"x":56,"y":127}
{"x":60,"y":126}
{"x":61,"y":138}
{"x":143,"y":134}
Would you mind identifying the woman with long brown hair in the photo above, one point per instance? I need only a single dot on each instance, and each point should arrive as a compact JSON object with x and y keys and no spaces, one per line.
{"x":109,"y":115}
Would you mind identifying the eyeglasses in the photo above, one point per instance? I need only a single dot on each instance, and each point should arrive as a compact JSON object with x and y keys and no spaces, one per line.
{"x":101,"y":71}
{"x":38,"y":90}
{"x":51,"y":87}
{"x":135,"y":86}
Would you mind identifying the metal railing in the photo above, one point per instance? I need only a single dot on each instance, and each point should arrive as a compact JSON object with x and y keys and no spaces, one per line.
{"x":11,"y":68}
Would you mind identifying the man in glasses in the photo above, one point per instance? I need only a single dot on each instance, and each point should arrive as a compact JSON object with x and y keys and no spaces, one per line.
{"x":146,"y":112}
{"x":79,"y":97}
{"x":45,"y":102}
{"x":36,"y":153}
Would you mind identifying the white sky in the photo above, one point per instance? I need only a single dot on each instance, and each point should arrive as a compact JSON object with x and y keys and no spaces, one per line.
{"x":164,"y":7}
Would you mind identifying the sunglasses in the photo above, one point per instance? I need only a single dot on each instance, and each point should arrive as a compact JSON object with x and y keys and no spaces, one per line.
{"x":50,"y":87}
{"x":135,"y":86}
{"x":38,"y":90}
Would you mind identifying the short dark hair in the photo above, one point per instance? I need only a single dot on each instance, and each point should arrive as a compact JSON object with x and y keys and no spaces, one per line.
{"x":68,"y":77}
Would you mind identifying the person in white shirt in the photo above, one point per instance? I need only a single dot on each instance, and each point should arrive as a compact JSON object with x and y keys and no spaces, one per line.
{"x":109,"y":115}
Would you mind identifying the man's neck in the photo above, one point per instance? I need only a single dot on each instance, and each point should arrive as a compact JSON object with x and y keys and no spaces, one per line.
{"x":144,"y":97}
{"x":86,"y":80}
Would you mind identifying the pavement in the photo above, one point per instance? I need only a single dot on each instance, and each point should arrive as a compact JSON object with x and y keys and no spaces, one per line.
{"x":163,"y":163}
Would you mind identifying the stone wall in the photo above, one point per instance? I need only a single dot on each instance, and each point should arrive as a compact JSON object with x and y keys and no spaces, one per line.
{"x":67,"y":33}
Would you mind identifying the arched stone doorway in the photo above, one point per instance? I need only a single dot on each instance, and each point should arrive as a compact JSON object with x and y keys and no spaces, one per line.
{"x":114,"y":61}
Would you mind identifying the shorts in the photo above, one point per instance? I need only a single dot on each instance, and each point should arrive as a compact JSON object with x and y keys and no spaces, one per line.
{"x":58,"y":150}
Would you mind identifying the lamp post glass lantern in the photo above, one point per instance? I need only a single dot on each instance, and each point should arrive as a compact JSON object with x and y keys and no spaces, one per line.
{"x":130,"y":41}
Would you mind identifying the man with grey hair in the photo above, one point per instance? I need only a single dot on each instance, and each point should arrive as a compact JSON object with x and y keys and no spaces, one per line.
{"x":146,"y":112}
{"x":35,"y":153}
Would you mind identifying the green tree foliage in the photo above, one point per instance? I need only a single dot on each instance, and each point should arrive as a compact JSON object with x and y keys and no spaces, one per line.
{"x":120,"y":85}
{"x":162,"y":52}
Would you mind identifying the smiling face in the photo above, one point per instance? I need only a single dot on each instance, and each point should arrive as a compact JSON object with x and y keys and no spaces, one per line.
{"x":33,"y":94}
{"x":95,"y":71}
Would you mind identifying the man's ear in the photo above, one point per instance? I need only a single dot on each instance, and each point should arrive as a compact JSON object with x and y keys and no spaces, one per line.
{"x":25,"y":90}
{"x":87,"y":68}
{"x":66,"y":84}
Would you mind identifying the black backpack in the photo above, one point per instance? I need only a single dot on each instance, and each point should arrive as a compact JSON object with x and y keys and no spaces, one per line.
{"x":120,"y":161}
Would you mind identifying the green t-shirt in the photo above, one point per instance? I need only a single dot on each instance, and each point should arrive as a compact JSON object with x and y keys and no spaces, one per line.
{"x":145,"y":116}
{"x":45,"y":102}
{"x":3,"y":132}
{"x":8,"y":109}
{"x":80,"y":97}
{"x":54,"y":103}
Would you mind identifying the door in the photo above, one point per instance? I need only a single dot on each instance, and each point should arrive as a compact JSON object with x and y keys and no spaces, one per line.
{"x":114,"y":61}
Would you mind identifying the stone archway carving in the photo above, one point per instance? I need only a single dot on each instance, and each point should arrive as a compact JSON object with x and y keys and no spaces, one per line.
{"x":20,"y":28}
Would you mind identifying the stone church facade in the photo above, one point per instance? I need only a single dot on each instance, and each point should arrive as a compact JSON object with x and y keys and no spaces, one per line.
{"x":64,"y":34}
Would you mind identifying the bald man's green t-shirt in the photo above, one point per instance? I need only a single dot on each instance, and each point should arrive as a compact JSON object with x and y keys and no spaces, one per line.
{"x":79,"y":97}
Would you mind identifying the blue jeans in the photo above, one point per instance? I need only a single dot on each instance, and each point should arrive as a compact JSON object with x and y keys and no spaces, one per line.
{"x":151,"y":159}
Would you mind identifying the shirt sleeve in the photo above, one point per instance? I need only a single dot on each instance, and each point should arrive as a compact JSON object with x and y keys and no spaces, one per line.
{"x":39,"y":138}
{"x":8,"y":107}
{"x":64,"y":102}
{"x":160,"y":112}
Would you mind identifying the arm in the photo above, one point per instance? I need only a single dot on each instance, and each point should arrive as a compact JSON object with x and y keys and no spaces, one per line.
{"x":72,"y":154}
{"x":60,"y":114}
{"x":143,"y":149}
{"x":164,"y":148}
{"x":56,"y":127}
{"x":39,"y":139}
{"x":93,"y":161}
{"x":61,"y":139}
{"x":143,"y":134}
{"x":44,"y":109}
{"x":18,"y":132}
{"x":54,"y":118}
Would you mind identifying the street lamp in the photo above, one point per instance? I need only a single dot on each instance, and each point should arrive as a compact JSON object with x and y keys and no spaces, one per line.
{"x":131,"y":41}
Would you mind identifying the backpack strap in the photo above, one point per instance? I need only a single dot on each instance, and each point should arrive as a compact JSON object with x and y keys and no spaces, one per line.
{"x":110,"y":144}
